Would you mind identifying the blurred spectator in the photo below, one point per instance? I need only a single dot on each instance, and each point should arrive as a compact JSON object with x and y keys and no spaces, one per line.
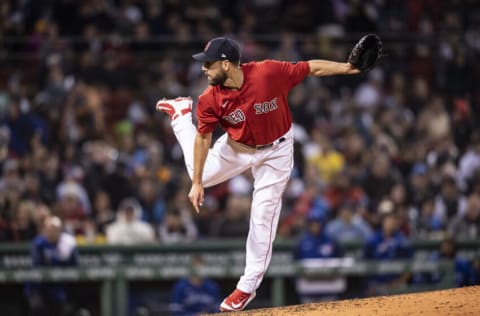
{"x":388,"y":243}
{"x":326,"y":159}
{"x":311,"y":251}
{"x":342,"y":190}
{"x":22,"y":226}
{"x":153,"y":206}
{"x":104,"y":214}
{"x":117,"y":183}
{"x":52,"y":248}
{"x":399,"y":197}
{"x":4,"y":218}
{"x":475,"y":276}
{"x":196,"y":294}
{"x":368,"y":94}
{"x":348,"y":226}
{"x":72,"y":185}
{"x":235,"y":222}
{"x":42,"y":211}
{"x":10,"y":175}
{"x":90,"y":234}
{"x":128,"y":228}
{"x":462,"y":268}
{"x":467,"y":225}
{"x":434,"y":121}
{"x":4,"y":141}
{"x":84,"y":112}
{"x":361,"y":17}
{"x":380,"y":179}
{"x":425,"y":224}
{"x":49,"y":176}
{"x":469,"y":162}
{"x":420,"y":187}
{"x":23,"y":126}
{"x":449,"y":202}
{"x":70,"y":206}
{"x":463,"y":120}
{"x":177,"y":226}
{"x":459,"y":76}
{"x":393,"y":15}
{"x":32,"y":190}
{"x":10,"y":200}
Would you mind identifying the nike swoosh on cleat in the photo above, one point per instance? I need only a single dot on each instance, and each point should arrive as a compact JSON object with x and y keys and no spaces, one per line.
{"x":236,"y":306}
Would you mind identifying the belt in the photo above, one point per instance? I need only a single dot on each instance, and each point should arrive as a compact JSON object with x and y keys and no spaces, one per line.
{"x":262,"y":147}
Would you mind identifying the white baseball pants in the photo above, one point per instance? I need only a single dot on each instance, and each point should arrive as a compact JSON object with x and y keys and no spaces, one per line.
{"x":271,"y":169}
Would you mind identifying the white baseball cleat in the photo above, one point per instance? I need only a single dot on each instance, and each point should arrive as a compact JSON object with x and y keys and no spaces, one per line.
{"x":175,"y":107}
{"x":236,"y":301}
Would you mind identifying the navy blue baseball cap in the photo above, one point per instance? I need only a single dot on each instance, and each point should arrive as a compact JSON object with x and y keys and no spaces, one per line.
{"x":219,"y":48}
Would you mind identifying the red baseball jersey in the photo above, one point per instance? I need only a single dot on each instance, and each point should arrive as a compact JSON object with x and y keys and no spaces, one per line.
{"x":257,"y":113}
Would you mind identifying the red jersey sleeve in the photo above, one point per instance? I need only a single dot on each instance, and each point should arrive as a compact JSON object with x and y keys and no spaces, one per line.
{"x":206,"y":116}
{"x":288,"y":74}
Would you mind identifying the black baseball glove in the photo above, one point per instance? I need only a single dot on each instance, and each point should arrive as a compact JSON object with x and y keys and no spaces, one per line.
{"x":366,"y":53}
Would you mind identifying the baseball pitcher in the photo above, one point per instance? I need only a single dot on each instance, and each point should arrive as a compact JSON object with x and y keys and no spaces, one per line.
{"x":249,"y":101}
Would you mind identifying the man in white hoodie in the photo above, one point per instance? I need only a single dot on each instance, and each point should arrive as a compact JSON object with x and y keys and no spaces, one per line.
{"x":129,"y":229}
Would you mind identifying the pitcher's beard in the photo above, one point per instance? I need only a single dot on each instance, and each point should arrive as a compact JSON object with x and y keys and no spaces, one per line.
{"x":218,"y":80}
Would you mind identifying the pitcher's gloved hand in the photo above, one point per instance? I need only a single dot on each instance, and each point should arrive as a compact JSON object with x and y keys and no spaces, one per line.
{"x":367,"y":53}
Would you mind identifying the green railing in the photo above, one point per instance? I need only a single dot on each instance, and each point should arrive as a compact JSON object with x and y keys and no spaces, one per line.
{"x":116,"y":266}
{"x":214,"y":251}
{"x":114,"y":289}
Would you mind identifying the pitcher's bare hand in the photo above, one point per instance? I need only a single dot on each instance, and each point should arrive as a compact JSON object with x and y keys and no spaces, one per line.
{"x":196,"y":196}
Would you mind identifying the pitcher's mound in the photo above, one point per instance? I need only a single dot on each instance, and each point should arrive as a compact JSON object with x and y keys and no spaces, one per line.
{"x":453,"y":302}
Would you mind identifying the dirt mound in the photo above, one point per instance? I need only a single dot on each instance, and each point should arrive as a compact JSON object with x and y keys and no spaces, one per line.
{"x":453,"y":302}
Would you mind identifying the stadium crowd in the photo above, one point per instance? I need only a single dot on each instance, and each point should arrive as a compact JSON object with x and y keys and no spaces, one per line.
{"x":79,"y":137}
{"x":383,"y":158}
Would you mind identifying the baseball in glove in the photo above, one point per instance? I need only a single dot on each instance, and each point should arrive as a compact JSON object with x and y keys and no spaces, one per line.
{"x":367,"y":53}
